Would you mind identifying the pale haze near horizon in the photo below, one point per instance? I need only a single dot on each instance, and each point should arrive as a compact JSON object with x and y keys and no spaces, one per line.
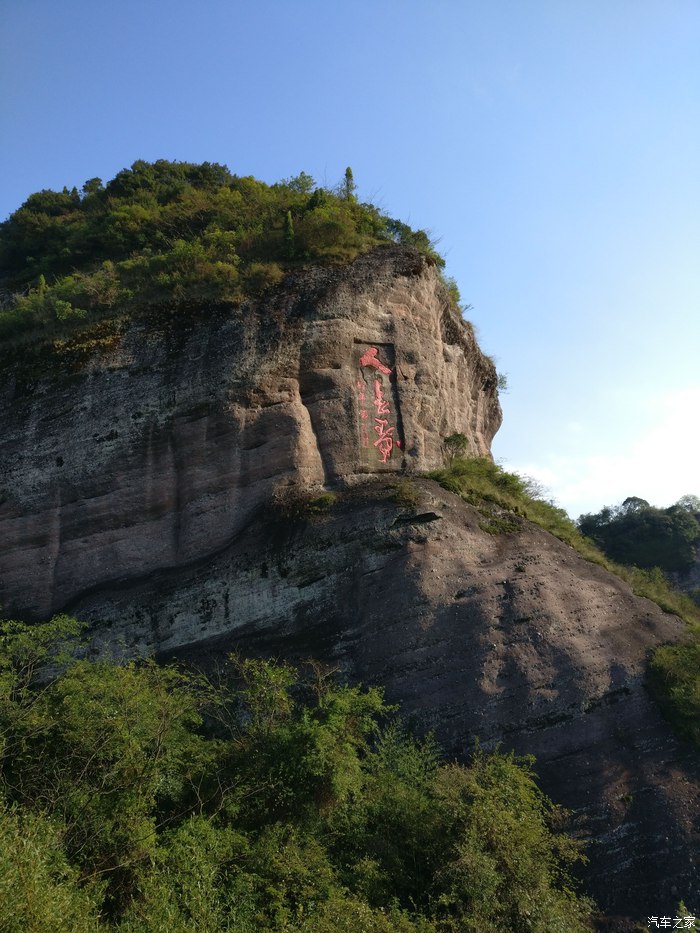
{"x":551,"y":147}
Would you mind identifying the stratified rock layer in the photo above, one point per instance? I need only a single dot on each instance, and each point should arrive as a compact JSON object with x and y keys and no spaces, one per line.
{"x":149,"y":446}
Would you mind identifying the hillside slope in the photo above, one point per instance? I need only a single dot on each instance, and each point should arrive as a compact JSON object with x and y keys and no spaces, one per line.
{"x":510,"y":638}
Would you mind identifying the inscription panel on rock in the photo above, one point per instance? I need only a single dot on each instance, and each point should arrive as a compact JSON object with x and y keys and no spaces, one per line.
{"x":380,"y":434}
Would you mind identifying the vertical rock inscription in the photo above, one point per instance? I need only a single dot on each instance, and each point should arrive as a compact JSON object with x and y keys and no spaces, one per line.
{"x":380,"y":433}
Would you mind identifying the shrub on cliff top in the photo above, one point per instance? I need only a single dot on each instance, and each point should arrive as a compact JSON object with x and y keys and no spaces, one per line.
{"x":479,"y":480}
{"x":175,"y":234}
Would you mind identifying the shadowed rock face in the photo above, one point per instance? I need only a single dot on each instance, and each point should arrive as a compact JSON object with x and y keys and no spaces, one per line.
{"x":151,"y":446}
{"x":509,"y":638}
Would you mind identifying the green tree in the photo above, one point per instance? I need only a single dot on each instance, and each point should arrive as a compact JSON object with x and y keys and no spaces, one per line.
{"x":507,"y":868}
{"x":92,"y":186}
{"x":349,"y":186}
{"x":456,"y":445}
{"x":689,"y":502}
{"x":289,"y":236}
{"x":636,"y":533}
{"x":276,"y":800}
{"x":303,"y":183}
{"x":40,"y":890}
{"x":177,"y":234}
{"x":102,"y":748}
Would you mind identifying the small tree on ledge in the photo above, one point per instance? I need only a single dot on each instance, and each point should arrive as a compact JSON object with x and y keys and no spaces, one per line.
{"x":456,"y":445}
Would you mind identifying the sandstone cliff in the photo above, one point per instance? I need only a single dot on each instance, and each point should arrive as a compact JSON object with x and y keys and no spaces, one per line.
{"x":147,"y":447}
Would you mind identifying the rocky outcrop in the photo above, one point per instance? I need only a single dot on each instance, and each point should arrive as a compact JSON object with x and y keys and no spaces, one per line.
{"x":509,"y":638}
{"x":144,"y":447}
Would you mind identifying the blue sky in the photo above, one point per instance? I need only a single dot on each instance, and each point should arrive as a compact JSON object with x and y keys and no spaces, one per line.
{"x":552,"y":146}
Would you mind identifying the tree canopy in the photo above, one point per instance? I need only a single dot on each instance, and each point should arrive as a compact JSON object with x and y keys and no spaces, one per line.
{"x":638,"y":534}
{"x":143,"y":798}
{"x":176,"y":234}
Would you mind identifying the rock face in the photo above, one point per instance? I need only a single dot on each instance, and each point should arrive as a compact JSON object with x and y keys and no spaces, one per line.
{"x":138,"y":474}
{"x":509,"y":638}
{"x":149,"y":448}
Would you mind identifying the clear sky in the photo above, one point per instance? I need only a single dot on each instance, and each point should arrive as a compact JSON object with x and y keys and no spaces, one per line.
{"x":552,"y":146}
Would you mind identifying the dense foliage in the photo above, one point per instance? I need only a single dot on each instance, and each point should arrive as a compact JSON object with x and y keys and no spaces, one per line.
{"x":639,"y":534}
{"x":174,"y":234}
{"x":675,"y":681}
{"x":141,"y":798}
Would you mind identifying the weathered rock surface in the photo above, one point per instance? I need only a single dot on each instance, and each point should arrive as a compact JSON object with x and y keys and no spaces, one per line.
{"x":150,"y":447}
{"x":510,"y":638}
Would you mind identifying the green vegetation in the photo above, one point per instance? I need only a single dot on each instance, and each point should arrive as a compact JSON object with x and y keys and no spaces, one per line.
{"x":674,"y":670}
{"x":456,"y":445}
{"x":641,"y":535}
{"x":142,"y":798}
{"x":497,"y":525}
{"x":293,"y":504}
{"x":174,"y":234}
{"x":405,"y":493}
{"x":484,"y":484}
{"x":675,"y":681}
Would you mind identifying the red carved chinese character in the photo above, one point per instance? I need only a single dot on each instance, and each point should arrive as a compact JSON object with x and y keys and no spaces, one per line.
{"x":370,"y":359}
{"x":380,"y":403}
{"x":385,"y":441}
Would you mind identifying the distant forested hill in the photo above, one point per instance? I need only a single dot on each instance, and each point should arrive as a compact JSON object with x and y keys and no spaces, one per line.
{"x":638,"y":534}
